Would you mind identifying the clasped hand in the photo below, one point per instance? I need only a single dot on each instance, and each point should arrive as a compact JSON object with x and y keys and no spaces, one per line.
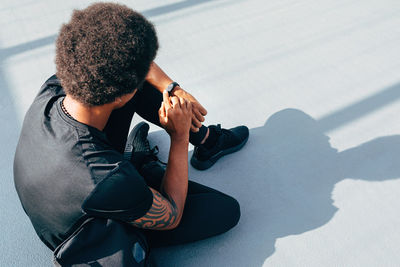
{"x":198,"y":111}
{"x":176,"y":116}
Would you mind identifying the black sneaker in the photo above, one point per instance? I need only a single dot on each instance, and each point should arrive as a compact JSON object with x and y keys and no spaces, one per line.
{"x":228,"y":141}
{"x":137,"y":148}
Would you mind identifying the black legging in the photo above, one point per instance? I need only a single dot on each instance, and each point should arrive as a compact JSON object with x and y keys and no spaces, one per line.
{"x":207,"y":212}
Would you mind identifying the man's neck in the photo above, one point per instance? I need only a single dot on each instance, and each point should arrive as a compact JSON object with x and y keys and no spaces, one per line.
{"x":95,"y":116}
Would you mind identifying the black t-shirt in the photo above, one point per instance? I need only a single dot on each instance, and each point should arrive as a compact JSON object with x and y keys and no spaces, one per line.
{"x":66,"y":171}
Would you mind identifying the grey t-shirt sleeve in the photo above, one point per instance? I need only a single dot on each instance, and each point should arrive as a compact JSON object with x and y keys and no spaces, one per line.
{"x":122,"y":195}
{"x":51,"y":87}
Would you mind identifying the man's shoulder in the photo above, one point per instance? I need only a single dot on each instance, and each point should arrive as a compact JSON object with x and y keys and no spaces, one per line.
{"x":50,"y":88}
{"x":52,"y":83}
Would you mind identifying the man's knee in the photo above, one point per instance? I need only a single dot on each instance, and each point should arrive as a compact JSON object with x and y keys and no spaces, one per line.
{"x":233,"y":212}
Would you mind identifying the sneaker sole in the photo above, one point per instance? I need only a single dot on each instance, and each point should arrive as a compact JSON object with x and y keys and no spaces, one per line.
{"x":129,"y":147}
{"x":203,"y":165}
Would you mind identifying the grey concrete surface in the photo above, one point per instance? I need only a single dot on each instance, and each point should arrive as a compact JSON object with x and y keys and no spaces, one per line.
{"x":317,"y":83}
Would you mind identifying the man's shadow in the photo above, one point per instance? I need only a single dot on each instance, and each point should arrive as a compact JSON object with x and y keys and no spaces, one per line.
{"x":284,"y":180}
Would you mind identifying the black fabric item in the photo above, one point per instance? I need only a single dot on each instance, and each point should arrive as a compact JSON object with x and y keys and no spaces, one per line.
{"x":196,"y":138}
{"x":58,"y":165}
{"x":228,"y":141}
{"x":137,"y":148}
{"x":115,"y":196}
{"x":103,"y":242}
{"x":207,"y":212}
{"x":225,"y":139}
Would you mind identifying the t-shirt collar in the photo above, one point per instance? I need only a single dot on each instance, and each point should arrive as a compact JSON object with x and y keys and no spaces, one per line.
{"x":74,"y":122}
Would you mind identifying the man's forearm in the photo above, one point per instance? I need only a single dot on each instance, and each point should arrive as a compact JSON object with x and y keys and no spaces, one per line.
{"x":157,"y":77}
{"x":175,"y":182}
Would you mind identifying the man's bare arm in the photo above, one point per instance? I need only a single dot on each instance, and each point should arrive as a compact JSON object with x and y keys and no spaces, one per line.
{"x":158,"y":78}
{"x":163,"y":214}
{"x":166,"y":214}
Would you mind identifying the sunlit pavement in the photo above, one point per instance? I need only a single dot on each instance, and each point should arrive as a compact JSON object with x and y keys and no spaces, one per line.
{"x":317,"y":83}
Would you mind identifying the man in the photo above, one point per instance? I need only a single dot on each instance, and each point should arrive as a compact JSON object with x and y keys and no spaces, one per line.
{"x":73,"y":159}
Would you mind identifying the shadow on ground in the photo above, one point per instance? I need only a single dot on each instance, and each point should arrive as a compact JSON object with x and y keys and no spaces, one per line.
{"x":284,"y":180}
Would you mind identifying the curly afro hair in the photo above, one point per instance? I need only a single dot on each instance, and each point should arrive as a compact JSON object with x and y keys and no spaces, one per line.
{"x":104,"y":52}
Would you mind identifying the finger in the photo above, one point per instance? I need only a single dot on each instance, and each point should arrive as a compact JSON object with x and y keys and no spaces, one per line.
{"x":198,"y":115}
{"x":166,"y":102}
{"x":175,"y":102}
{"x":194,"y":129}
{"x":202,"y":110}
{"x":162,"y":110}
{"x":182,"y":101}
{"x":196,"y":122}
{"x":189,"y":105}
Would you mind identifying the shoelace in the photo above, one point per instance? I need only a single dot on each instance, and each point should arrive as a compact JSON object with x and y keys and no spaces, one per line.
{"x":147,"y":146}
{"x":153,"y":153}
{"x":218,"y":129}
{"x":222,"y":132}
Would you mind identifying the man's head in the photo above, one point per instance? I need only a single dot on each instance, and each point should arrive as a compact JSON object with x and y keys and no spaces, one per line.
{"x":104,"y":52}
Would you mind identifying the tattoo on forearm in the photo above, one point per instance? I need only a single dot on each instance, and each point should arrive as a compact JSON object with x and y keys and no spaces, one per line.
{"x":162,"y":213}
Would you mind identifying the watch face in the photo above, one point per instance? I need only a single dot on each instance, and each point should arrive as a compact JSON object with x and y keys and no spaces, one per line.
{"x":171,"y":86}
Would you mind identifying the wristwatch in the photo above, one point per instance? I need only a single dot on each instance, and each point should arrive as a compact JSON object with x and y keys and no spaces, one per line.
{"x":171,"y":86}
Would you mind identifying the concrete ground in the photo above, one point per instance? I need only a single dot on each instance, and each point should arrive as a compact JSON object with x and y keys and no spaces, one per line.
{"x":317,"y":83}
